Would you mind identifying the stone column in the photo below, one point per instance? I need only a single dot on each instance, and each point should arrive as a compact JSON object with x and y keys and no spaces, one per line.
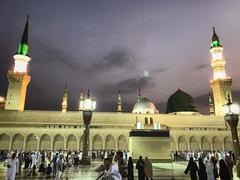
{"x":38,"y":143}
{"x":65,"y":143}
{"x":211,"y":144}
{"x":78,"y":143}
{"x":10,"y":143}
{"x":116,"y":145}
{"x":24,"y":143}
{"x":104,"y":143}
{"x":52,"y":144}
{"x":188,"y":146}
{"x":223,"y":147}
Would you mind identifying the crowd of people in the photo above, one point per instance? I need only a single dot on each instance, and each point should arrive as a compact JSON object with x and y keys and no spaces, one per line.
{"x":211,"y":165}
{"x":116,"y":165}
{"x":185,"y":155}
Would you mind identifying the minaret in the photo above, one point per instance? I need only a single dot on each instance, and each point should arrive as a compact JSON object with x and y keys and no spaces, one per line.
{"x":81,"y":101}
{"x":211,"y":104}
{"x":18,"y":78}
{"x":119,"y":102}
{"x":64,"y":102}
{"x":139,"y":95}
{"x":221,"y":84}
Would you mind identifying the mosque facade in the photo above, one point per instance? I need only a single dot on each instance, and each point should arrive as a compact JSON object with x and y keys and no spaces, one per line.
{"x":52,"y":130}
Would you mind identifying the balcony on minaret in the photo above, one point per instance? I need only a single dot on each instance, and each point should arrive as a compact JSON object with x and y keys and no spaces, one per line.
{"x":21,"y":63}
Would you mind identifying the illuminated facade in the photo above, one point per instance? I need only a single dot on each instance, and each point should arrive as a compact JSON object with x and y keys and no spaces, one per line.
{"x":52,"y":130}
{"x":19,"y":78}
{"x":221,"y":84}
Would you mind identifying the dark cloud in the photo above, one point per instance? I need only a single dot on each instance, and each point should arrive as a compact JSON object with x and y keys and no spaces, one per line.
{"x":132,"y":84}
{"x":200,"y":67}
{"x":117,"y":58}
{"x":128,"y":88}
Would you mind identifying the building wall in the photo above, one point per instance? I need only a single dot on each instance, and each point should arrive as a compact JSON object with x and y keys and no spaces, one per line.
{"x":56,"y":130}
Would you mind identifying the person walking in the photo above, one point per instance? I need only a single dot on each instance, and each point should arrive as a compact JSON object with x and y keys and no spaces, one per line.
{"x":11,"y":167}
{"x":130,"y":169}
{"x":193,"y":168}
{"x":209,"y":169}
{"x":229,"y":165}
{"x":140,"y":168}
{"x":148,"y":169}
{"x":20,"y":160}
{"x":215,"y":168}
{"x":224,"y":171}
{"x":54,"y":161}
{"x":59,"y":168}
{"x":202,"y":174}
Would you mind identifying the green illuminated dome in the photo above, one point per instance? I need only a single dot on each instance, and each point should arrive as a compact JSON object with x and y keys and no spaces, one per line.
{"x":181,"y":102}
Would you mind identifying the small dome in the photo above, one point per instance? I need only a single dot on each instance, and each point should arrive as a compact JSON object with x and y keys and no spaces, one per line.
{"x":144,"y":106}
{"x":181,"y":102}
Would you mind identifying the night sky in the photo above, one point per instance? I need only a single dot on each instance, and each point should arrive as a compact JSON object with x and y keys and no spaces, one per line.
{"x":106,"y":45}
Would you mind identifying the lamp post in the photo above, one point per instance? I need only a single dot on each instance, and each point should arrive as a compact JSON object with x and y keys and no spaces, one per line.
{"x":89,"y":104}
{"x":231,"y":113}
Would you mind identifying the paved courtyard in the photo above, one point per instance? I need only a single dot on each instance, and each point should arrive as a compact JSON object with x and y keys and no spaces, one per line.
{"x":160,"y":171}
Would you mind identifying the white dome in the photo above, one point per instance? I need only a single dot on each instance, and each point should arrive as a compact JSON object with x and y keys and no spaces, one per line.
{"x":144,"y":106}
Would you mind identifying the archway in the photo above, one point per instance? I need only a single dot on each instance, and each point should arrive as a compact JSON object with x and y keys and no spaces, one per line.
{"x":71,"y":142}
{"x":205,"y":143}
{"x":122,"y":143}
{"x":228,"y":144}
{"x":110,"y":143}
{"x":217,"y":144}
{"x":182,"y":144}
{"x":45,"y":142}
{"x":4,"y":141}
{"x":31,"y":142}
{"x":17,"y":142}
{"x":58,"y":142}
{"x":97,"y":143}
{"x":194,"y":145}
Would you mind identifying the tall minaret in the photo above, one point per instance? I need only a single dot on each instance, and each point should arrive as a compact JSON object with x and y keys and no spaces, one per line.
{"x":18,"y":78}
{"x":139,"y":94}
{"x":81,"y":101}
{"x":64,"y":102}
{"x":221,"y":84}
{"x":119,"y":102}
{"x":211,"y":104}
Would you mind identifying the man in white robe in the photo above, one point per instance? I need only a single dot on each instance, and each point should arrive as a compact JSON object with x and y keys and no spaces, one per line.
{"x":11,"y":167}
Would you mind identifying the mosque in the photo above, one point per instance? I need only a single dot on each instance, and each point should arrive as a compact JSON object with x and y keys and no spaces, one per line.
{"x":189,"y":129}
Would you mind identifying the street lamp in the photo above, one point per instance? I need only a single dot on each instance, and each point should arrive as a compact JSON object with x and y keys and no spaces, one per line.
{"x":88,"y":105}
{"x":231,"y":113}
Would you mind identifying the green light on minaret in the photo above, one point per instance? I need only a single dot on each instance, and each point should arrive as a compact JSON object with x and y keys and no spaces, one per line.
{"x":216,"y":44}
{"x":23,"y":49}
{"x":215,"y":40}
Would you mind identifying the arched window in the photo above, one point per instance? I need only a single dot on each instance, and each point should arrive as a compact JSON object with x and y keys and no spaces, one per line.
{"x":151,"y":120}
{"x":146,"y":120}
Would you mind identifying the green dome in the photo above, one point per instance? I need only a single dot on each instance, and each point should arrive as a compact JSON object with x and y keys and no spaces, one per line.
{"x":180,"y":102}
